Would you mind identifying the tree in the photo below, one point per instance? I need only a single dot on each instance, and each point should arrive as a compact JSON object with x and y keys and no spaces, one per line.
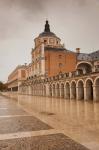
{"x":3,"y":86}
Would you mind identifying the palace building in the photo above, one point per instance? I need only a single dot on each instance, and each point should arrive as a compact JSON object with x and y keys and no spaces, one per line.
{"x":52,"y":64}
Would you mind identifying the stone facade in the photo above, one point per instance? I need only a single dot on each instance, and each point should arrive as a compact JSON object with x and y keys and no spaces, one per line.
{"x":16,"y":78}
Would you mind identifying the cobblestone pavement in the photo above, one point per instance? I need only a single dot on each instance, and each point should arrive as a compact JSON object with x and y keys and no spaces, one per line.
{"x":45,"y":142}
{"x":21,"y":124}
{"x":13,"y":111}
{"x":21,"y":131}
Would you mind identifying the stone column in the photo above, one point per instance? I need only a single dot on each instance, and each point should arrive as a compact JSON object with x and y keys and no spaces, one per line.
{"x":77,"y":94}
{"x":26,"y":90}
{"x":56,"y":92}
{"x":85,"y":95}
{"x":47,"y":90}
{"x":71,"y":92}
{"x":65,"y":92}
{"x":19,"y":91}
{"x":11,"y":89}
{"x":94,"y":93}
{"x":60,"y":92}
{"x":53,"y":92}
{"x":34,"y":91}
{"x":41,"y":91}
{"x":42,"y":60}
{"x":29,"y":89}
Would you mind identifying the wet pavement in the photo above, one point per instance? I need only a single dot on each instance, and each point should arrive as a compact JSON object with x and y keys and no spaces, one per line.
{"x":45,"y":142}
{"x":28,"y":119}
{"x":21,"y":124}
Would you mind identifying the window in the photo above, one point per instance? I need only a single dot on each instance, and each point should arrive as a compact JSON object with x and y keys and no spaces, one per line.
{"x":60,"y":64}
{"x":57,"y":42}
{"x":60,"y":56}
{"x":45,"y":41}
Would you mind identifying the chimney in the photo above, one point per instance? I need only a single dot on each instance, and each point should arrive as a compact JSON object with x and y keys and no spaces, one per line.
{"x":77,"y":50}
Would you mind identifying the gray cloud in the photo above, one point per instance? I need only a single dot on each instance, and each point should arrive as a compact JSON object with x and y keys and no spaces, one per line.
{"x":30,"y":5}
{"x":15,"y":13}
{"x":74,"y":21}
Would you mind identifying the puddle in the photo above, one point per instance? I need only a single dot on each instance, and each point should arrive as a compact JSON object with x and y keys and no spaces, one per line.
{"x":47,"y":113}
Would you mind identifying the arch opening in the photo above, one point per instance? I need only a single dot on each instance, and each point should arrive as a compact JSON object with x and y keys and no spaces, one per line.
{"x":62,"y":90}
{"x":89,"y":90}
{"x":67,"y":91}
{"x":84,"y":67}
{"x":97,"y":90}
{"x":32,"y":90}
{"x":44,"y":90}
{"x":80,"y":88}
{"x":41,"y":90}
{"x":54,"y":90}
{"x":50,"y":90}
{"x":27,"y":89}
{"x":58,"y":90}
{"x":73,"y":91}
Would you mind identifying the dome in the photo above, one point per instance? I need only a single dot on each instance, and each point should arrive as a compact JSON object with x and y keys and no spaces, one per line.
{"x":47,"y":34}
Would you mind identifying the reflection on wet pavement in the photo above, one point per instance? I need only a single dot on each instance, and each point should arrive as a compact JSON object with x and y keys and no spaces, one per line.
{"x":78,"y":120}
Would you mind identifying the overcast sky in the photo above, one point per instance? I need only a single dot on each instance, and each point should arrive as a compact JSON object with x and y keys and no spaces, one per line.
{"x":76,"y":22}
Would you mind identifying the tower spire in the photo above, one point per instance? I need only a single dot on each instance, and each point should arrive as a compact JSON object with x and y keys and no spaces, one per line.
{"x":47,"y":27}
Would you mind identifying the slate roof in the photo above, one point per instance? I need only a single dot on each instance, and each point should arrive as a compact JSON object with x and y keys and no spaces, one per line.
{"x":89,"y":57}
{"x":47,"y":34}
{"x":95,"y":55}
{"x":54,"y":48}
